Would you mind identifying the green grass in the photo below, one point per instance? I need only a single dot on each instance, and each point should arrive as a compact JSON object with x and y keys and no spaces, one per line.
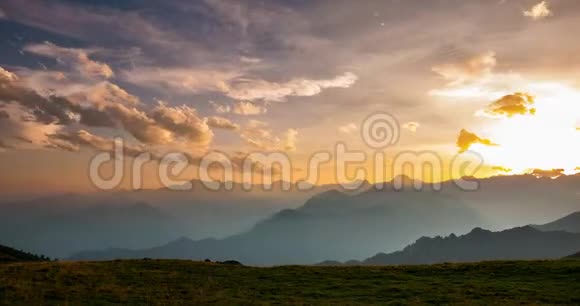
{"x":171,"y":282}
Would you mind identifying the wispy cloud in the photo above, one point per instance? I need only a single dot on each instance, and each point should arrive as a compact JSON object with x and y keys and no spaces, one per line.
{"x":259,"y":134}
{"x":78,"y":58}
{"x":222,"y":123}
{"x":348,"y":128}
{"x":539,"y":11}
{"x":256,"y":89}
{"x":460,"y":72}
{"x":233,"y":83}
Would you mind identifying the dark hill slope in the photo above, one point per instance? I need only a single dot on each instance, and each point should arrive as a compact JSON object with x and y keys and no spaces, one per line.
{"x":8,"y":254}
{"x":569,"y":223}
{"x":518,"y":243}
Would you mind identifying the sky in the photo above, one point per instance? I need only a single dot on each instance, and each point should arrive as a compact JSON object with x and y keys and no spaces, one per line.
{"x":494,"y":78}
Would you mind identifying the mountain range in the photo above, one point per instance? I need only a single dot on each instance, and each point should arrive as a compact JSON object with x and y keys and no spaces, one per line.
{"x":59,"y":225}
{"x":520,"y":243}
{"x":336,"y":226}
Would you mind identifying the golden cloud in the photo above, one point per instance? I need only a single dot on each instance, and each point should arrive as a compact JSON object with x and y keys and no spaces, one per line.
{"x":501,"y":169}
{"x":466,"y":139}
{"x":551,"y":173}
{"x":511,"y":105}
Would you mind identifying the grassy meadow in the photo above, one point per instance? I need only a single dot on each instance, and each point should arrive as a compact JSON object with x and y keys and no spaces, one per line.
{"x":175,"y":282}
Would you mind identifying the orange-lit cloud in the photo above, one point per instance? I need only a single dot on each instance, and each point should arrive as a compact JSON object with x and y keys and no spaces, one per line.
{"x":102,"y":105}
{"x":552,"y":173}
{"x":466,"y":139}
{"x":222,"y":123}
{"x":7,"y":76}
{"x":259,"y":134}
{"x":511,"y":105}
{"x":74,"y":140}
{"x":247,"y":108}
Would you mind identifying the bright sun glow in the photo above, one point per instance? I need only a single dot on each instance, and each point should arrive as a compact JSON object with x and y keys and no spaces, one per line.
{"x":547,"y":140}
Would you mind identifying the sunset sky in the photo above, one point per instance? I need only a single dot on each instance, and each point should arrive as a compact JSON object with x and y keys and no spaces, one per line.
{"x":499,"y":77}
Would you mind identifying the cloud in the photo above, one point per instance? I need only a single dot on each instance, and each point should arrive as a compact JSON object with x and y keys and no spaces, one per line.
{"x":239,"y":108}
{"x":467,"y":70}
{"x":220,"y":108}
{"x":79,"y":58}
{"x":7,"y":76}
{"x":411,"y":126}
{"x":107,"y":105}
{"x":258,"y":134}
{"x":2,"y":14}
{"x":232,"y":11}
{"x":510,"y":105}
{"x":107,"y":93}
{"x":551,"y":173}
{"x":466,"y":139}
{"x":88,"y":22}
{"x":48,"y":110}
{"x":222,"y":123}
{"x":250,"y":60}
{"x":248,"y":108}
{"x":348,"y":128}
{"x":539,"y":11}
{"x":501,"y":169}
{"x":233,"y":83}
{"x":183,"y":122}
{"x":18,"y":133}
{"x":256,"y":89}
{"x":182,"y":79}
{"x":72,"y":141}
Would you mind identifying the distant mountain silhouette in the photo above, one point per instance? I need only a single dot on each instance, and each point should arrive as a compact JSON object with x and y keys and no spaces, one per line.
{"x":8,"y":254}
{"x":331,"y":225}
{"x":519,"y":243}
{"x":281,"y":227}
{"x":62,"y":225}
{"x":59,"y":225}
{"x":569,"y":223}
{"x":574,"y":256}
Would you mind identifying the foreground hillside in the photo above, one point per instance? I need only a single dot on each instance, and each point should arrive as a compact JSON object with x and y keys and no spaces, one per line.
{"x":186,"y":282}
